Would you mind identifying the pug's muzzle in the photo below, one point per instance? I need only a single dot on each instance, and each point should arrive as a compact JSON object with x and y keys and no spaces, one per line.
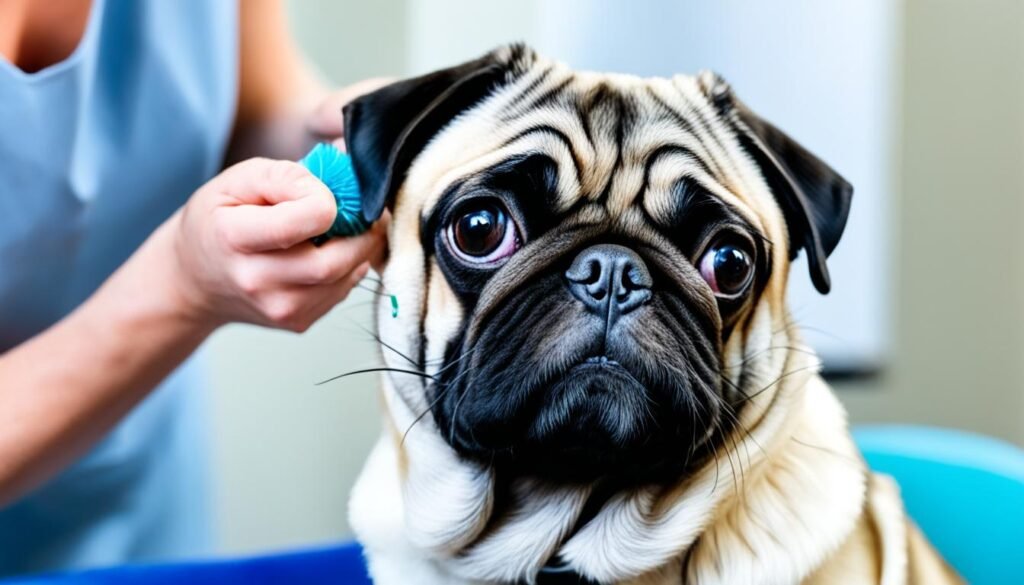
{"x":603,"y":364}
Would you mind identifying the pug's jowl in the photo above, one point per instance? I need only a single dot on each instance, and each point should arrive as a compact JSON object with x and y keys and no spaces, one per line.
{"x":595,"y":378}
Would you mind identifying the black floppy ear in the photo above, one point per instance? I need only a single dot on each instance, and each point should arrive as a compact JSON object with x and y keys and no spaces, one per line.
{"x":814,"y":198}
{"x":385,"y":130}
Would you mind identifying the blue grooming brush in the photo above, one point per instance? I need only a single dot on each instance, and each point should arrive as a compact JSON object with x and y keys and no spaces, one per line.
{"x":334,"y":168}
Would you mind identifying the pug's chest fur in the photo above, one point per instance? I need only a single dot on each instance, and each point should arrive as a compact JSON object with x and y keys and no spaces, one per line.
{"x":808,"y":511}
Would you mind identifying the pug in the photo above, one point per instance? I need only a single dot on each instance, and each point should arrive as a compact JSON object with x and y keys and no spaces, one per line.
{"x":593,"y":376}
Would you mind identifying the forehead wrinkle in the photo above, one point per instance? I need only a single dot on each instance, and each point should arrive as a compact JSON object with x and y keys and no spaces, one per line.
{"x":534,"y":144}
{"x":628,"y":178}
{"x":683,"y":95}
{"x":607,"y":113}
{"x":526,"y":97}
{"x":660,"y":95}
{"x":587,"y":134}
{"x":653,"y":135}
{"x":677,"y":156}
{"x":742,"y":182}
{"x":568,"y":186}
{"x":727,"y":151}
{"x":542,"y":75}
{"x":472,"y":135}
{"x":558,"y":116}
{"x":659,"y":135}
{"x":525,"y":86}
{"x":552,"y":92}
{"x":580,"y":151}
{"x":599,"y":111}
{"x":738,"y":204}
{"x":659,"y":197}
{"x":696,"y":108}
{"x":626,"y":182}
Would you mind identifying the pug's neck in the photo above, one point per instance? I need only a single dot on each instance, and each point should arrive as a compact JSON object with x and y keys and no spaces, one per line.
{"x":771,"y":507}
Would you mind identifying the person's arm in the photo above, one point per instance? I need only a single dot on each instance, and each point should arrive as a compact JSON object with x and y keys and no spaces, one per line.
{"x":283,"y":104}
{"x":238,"y":251}
{"x":61,"y":390}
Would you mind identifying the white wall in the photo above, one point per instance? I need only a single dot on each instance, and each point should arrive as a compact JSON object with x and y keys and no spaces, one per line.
{"x":287,"y":450}
{"x":958,"y":314}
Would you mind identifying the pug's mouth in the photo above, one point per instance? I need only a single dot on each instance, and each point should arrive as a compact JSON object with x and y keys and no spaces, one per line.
{"x":597,"y":405}
{"x":601,"y":360}
{"x":606,"y":415}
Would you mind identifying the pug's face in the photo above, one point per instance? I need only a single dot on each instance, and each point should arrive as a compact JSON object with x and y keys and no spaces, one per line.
{"x":581,"y":259}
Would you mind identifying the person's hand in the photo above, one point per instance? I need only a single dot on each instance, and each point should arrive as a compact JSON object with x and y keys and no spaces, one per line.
{"x":325,"y":121}
{"x":241,"y":248}
{"x":241,"y":245}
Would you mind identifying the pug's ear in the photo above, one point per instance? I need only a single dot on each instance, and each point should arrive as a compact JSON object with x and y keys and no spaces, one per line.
{"x":814,"y":198}
{"x":386,"y":129}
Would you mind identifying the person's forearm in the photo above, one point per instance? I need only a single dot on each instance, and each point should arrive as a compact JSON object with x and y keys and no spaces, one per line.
{"x":277,"y":87}
{"x":238,"y":251}
{"x":62,"y":390}
{"x":279,"y":132}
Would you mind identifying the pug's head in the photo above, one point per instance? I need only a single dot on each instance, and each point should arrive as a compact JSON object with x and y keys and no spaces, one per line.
{"x":584,"y":261}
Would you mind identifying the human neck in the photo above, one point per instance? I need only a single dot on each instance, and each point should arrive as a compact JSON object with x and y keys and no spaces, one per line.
{"x":35,"y":35}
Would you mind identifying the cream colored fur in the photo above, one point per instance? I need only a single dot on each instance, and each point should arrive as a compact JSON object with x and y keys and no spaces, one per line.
{"x":787,"y":497}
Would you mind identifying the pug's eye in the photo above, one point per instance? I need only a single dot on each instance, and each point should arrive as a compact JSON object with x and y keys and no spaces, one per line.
{"x":482,"y":232}
{"x":727,"y":268}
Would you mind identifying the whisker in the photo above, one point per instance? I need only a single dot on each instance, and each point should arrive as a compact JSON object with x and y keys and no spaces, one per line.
{"x":761,"y":352}
{"x":734,"y":386}
{"x":780,"y":378}
{"x":372,"y":290}
{"x":455,"y":416}
{"x":370,"y":370}
{"x":386,"y":345}
{"x":793,"y":324}
{"x":843,"y":456}
{"x":425,"y":412}
{"x":445,"y":386}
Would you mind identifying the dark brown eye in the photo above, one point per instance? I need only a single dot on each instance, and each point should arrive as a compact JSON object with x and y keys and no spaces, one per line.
{"x":727,"y":268}
{"x":483,"y":233}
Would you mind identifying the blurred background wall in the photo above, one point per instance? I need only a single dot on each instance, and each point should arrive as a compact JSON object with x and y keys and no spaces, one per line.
{"x":951,"y":270}
{"x":287,"y":451}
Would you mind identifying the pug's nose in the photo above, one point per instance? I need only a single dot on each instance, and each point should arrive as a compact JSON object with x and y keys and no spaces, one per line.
{"x":609,"y":280}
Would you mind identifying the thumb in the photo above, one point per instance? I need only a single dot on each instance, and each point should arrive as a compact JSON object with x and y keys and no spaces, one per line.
{"x":271,"y":204}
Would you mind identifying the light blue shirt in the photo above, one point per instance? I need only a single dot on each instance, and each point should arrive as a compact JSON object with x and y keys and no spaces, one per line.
{"x":95,"y":152}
